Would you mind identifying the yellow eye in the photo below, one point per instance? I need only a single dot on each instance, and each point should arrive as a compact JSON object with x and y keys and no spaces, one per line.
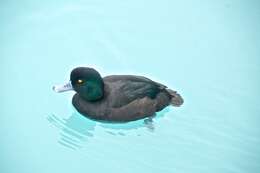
{"x":80,"y":81}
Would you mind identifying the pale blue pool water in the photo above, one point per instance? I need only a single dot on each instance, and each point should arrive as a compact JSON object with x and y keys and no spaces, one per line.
{"x":209,"y":51}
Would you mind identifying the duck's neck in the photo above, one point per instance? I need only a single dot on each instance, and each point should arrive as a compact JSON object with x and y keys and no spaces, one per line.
{"x":93,"y":91}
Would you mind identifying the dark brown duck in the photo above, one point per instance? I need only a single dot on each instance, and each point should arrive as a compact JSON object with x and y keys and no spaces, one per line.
{"x":117,"y":98}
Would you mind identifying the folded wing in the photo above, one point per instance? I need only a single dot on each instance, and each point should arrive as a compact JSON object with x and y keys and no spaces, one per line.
{"x":127,"y":88}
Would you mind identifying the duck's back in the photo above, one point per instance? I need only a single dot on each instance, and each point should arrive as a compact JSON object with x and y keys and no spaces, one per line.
{"x":124,"y":89}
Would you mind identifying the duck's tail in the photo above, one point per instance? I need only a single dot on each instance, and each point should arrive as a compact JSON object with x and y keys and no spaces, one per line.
{"x":176,"y":99}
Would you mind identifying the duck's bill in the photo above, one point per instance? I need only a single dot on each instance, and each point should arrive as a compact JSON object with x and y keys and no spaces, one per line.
{"x":62,"y":88}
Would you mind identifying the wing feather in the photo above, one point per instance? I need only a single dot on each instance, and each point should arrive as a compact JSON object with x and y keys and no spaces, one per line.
{"x":123,"y":89}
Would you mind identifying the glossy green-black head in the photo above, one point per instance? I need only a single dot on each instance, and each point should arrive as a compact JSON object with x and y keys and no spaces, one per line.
{"x":87,"y":82}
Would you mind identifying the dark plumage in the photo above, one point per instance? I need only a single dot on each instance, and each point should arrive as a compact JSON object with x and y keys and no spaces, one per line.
{"x":119,"y":98}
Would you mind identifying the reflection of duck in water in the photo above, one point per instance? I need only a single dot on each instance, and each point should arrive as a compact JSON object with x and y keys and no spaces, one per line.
{"x":117,"y":98}
{"x":76,"y":130}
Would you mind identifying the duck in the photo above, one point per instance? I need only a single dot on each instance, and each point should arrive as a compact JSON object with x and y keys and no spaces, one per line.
{"x":117,"y":98}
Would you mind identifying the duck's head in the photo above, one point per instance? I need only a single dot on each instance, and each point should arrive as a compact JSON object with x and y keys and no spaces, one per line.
{"x":87,"y":82}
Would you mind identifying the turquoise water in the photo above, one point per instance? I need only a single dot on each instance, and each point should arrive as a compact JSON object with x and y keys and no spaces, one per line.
{"x":207,"y":51}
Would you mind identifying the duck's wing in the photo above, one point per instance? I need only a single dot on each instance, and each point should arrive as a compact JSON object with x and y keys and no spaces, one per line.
{"x":123,"y":89}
